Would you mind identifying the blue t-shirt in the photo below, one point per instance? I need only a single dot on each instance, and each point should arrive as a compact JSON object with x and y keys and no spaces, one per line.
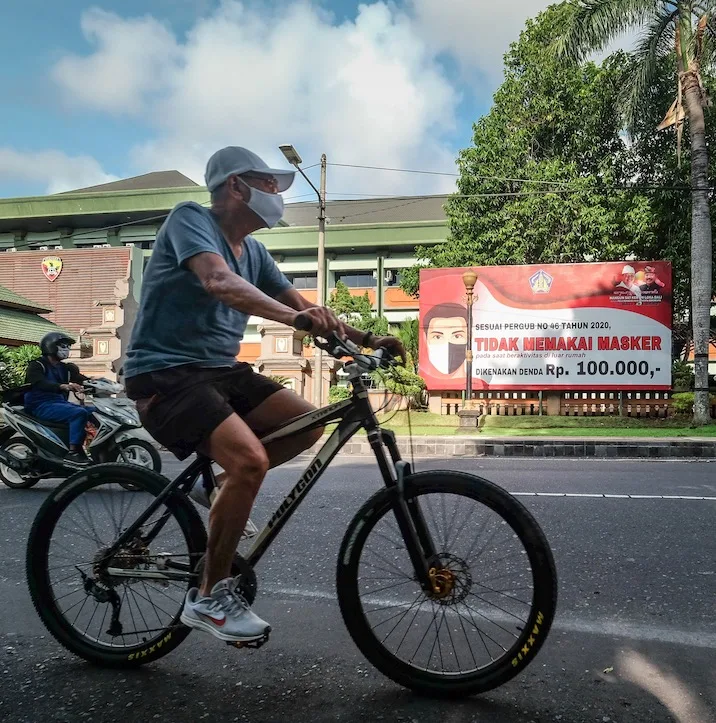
{"x":178,"y":321}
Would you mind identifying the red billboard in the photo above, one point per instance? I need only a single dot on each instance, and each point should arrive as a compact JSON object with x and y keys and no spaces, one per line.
{"x":600,"y":326}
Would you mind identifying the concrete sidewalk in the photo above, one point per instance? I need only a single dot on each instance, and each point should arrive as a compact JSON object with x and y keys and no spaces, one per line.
{"x":576,"y":447}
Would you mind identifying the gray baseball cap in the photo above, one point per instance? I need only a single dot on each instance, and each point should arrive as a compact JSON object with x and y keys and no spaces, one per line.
{"x":234,"y":160}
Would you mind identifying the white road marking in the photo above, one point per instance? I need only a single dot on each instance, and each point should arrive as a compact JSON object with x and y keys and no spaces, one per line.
{"x":567,"y":624}
{"x":607,"y":496}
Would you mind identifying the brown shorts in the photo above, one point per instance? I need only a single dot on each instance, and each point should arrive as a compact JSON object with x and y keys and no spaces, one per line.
{"x":180,"y":407}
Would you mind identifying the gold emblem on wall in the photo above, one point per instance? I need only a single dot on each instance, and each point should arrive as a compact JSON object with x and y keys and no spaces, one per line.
{"x":51,"y":267}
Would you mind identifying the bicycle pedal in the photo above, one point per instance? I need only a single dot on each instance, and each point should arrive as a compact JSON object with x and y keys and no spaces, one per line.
{"x":255,"y":644}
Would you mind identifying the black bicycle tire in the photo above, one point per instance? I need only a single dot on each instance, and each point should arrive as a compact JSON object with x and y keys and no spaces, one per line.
{"x":544,"y":576}
{"x":27,"y":481}
{"x":38,"y":577}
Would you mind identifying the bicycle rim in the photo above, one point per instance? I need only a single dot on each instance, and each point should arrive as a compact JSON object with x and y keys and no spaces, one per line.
{"x":102,"y":617}
{"x":493,"y":572}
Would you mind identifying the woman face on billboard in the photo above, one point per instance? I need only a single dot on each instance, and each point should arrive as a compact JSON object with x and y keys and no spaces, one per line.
{"x":446,"y":337}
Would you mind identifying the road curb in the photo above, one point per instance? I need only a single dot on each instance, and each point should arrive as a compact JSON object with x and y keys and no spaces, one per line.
{"x":610,"y":448}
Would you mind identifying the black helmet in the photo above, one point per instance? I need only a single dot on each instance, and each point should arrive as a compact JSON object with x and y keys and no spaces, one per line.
{"x":49,"y":342}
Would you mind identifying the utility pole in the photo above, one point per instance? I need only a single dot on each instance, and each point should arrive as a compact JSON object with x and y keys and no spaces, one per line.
{"x":292,"y":156}
{"x":321,"y":281}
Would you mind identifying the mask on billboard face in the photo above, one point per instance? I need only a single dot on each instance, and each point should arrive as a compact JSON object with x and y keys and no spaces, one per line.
{"x":446,"y":343}
{"x":447,"y":358}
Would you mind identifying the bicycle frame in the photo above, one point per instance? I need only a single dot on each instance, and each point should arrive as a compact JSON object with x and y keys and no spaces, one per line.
{"x":354,"y":414}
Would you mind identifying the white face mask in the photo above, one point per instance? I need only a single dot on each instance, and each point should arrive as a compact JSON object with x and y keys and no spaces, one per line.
{"x":62,"y":352}
{"x":446,"y":358}
{"x":267,"y":206}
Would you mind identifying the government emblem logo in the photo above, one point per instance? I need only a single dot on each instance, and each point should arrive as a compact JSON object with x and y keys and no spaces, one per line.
{"x":51,"y":267}
{"x":541,"y":282}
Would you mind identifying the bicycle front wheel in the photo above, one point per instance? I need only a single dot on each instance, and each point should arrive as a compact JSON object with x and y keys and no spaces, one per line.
{"x":494,"y":586}
{"x":121,"y":609}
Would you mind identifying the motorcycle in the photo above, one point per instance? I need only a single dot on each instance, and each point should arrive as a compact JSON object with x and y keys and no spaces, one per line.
{"x":32,"y":449}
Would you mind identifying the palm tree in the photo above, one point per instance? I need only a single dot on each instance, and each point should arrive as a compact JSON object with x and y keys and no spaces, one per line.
{"x":686,"y":29}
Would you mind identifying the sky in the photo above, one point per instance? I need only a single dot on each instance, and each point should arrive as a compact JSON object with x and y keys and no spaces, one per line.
{"x":97,"y":91}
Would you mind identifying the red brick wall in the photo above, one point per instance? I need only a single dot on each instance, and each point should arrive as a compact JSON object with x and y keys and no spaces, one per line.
{"x":88,"y":275}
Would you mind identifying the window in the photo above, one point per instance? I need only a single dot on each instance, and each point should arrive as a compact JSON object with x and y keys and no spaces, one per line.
{"x":356,"y":279}
{"x":303,"y":280}
{"x":393,"y":277}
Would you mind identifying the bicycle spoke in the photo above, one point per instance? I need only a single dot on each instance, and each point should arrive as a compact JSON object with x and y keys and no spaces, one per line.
{"x":488,"y":574}
{"x":507,"y":612}
{"x":402,"y":616}
{"x":389,"y":587}
{"x":412,"y":622}
{"x":497,"y":625}
{"x":390,"y":564}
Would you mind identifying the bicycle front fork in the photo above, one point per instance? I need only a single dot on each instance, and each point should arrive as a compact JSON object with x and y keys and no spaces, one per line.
{"x":412,"y":525}
{"x":408,"y":515}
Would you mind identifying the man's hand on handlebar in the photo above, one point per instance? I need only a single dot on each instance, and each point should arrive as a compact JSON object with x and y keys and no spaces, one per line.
{"x":392,"y":344}
{"x":323,"y":322}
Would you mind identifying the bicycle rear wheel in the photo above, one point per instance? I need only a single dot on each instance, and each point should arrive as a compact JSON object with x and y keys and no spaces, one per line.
{"x":494,"y":575}
{"x":129,"y":616}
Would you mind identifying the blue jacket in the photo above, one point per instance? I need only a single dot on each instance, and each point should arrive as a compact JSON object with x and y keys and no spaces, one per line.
{"x":46,"y":379}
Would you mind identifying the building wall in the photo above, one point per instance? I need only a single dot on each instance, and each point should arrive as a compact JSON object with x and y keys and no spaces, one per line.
{"x":101,"y":263}
{"x":90,"y":298}
{"x":88,"y":276}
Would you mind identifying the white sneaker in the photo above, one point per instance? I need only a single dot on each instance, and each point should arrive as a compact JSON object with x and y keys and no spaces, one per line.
{"x":225,"y":614}
{"x":199,"y":495}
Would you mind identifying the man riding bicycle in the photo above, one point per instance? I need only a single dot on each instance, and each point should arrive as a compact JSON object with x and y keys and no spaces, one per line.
{"x":206,"y":277}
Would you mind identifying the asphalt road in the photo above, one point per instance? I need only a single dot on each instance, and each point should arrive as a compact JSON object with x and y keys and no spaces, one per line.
{"x":634,"y":638}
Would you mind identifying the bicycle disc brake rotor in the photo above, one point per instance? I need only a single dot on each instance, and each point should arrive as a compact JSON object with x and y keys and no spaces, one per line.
{"x":451,"y":579}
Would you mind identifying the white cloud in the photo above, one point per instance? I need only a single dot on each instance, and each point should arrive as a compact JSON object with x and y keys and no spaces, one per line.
{"x":476,"y":32}
{"x":58,"y":171}
{"x":131,"y":61}
{"x":367,"y":91}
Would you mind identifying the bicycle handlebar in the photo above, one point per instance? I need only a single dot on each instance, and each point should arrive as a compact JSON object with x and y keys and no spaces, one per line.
{"x":337,"y":347}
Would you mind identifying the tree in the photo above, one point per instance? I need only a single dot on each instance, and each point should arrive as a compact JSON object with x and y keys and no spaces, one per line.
{"x":685,"y":29}
{"x":409,"y":332}
{"x":537,"y":184}
{"x":357,"y":311}
{"x":13,"y":364}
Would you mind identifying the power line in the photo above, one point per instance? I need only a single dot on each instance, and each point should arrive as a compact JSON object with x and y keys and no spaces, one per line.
{"x":395,"y":170}
{"x":520,"y":180}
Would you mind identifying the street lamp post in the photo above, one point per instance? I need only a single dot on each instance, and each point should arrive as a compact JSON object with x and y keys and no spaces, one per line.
{"x":291,"y":155}
{"x":469,"y":278}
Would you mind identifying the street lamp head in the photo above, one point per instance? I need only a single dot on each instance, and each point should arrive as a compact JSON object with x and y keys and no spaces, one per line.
{"x":469,"y":278}
{"x":290,"y":154}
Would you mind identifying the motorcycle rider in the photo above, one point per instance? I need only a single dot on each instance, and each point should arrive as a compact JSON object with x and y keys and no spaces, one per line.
{"x":52,"y":380}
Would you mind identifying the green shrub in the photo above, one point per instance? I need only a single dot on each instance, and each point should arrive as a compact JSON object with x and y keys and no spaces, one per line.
{"x":683,"y":402}
{"x":401,"y":380}
{"x":13,"y":364}
{"x":683,"y":376}
{"x":338,"y":394}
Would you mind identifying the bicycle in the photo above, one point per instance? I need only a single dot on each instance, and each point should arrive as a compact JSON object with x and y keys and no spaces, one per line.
{"x":406,"y":530}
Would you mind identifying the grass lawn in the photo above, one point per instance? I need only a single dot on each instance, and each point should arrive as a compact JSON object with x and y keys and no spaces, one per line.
{"x":427,"y":424}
